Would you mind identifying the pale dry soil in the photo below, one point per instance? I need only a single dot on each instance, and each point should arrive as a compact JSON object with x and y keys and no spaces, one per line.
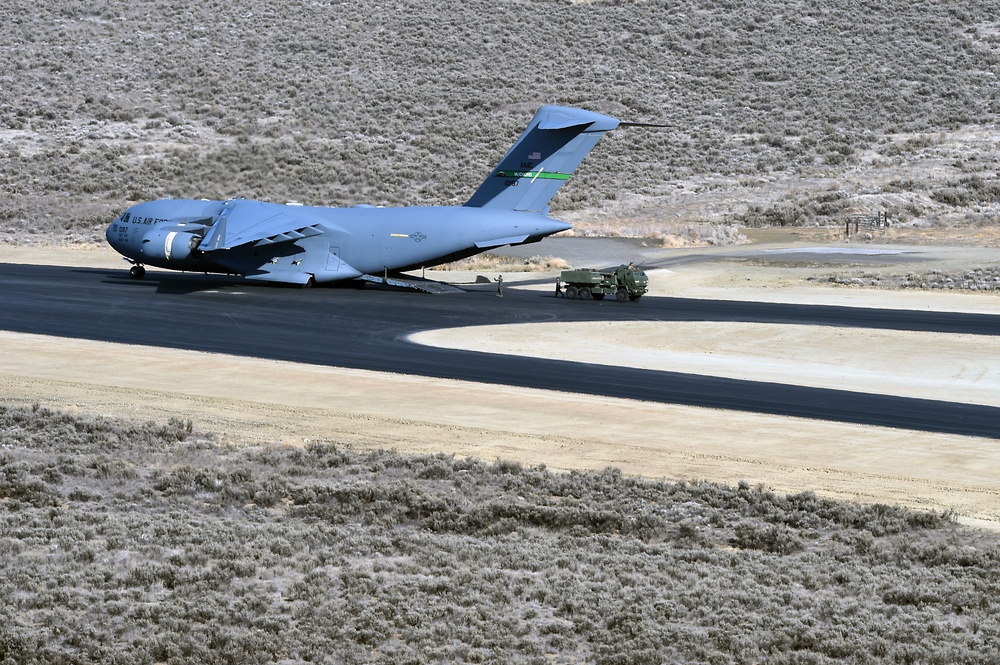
{"x":264,"y":401}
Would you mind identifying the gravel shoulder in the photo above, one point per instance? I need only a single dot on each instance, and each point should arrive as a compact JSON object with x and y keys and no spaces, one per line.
{"x":260,"y":401}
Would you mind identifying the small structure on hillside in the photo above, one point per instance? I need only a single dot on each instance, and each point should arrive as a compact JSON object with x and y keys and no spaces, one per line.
{"x":858,"y":224}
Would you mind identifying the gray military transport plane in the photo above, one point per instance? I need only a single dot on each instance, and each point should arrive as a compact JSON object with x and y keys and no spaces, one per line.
{"x":294,"y":244}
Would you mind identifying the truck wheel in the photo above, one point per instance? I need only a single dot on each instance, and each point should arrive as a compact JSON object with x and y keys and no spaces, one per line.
{"x":622,"y":295}
{"x":585,"y":293}
{"x":571,"y":292}
{"x":597,"y":296}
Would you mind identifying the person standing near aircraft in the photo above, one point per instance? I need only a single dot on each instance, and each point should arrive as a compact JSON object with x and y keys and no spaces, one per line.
{"x":499,"y":281}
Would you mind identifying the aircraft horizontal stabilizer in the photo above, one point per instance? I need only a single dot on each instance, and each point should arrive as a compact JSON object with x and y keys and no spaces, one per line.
{"x":559,"y":117}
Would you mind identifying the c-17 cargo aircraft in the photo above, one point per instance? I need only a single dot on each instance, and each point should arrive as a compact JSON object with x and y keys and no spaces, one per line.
{"x":294,"y":244}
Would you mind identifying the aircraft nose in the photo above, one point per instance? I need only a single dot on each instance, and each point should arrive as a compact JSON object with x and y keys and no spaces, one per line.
{"x":117,"y":232}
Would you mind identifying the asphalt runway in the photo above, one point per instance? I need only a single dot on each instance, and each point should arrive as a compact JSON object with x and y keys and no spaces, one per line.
{"x":367,"y":329}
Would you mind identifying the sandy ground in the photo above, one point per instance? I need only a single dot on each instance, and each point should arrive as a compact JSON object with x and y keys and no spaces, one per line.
{"x":950,"y":367}
{"x":248,"y":400}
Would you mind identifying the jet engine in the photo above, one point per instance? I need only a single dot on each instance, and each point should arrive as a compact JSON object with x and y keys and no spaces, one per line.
{"x":165,"y":245}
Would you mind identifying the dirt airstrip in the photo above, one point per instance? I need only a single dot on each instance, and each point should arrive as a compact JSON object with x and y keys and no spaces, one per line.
{"x":264,"y":401}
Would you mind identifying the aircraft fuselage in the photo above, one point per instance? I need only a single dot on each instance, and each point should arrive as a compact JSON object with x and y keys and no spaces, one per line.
{"x":303,"y":245}
{"x":328,"y":244}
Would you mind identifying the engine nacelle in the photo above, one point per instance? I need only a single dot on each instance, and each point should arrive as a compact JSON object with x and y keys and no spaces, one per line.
{"x":163,"y":245}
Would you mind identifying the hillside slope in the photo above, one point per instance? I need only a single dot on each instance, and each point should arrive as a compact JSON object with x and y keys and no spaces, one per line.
{"x":777,"y":113}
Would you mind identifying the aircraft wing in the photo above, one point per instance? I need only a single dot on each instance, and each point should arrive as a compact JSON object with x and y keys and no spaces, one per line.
{"x":243,"y":222}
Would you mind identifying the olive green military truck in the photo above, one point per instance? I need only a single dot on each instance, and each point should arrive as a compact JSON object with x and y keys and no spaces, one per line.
{"x":624,"y":282}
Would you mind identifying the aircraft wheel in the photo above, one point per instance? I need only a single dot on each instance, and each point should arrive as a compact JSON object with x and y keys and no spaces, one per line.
{"x":597,"y":296}
{"x":137,"y":271}
{"x":311,"y":282}
{"x":585,"y":293}
{"x":622,"y":295}
{"x":571,"y":292}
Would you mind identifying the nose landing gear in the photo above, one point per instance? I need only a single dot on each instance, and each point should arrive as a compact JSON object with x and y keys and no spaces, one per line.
{"x":137,"y":271}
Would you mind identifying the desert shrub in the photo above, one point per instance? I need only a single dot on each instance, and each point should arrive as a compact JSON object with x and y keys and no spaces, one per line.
{"x":340,"y":105}
{"x":258,"y":553}
{"x":773,"y":538}
{"x":976,"y":279}
{"x":779,"y":215}
{"x":954,"y":196}
{"x":19,"y":486}
{"x":972,"y":189}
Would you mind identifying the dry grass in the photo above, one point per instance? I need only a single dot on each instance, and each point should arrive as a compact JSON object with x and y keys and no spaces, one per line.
{"x":501,"y":263}
{"x":983,"y":280}
{"x":661,"y":234}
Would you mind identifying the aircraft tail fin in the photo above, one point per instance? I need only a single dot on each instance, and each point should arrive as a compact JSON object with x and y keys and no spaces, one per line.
{"x":543,"y":159}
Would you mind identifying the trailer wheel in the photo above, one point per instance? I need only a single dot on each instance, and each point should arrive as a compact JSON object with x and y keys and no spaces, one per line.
{"x":597,"y":296}
{"x":571,"y":292}
{"x":585,"y":293}
{"x":622,"y":295}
